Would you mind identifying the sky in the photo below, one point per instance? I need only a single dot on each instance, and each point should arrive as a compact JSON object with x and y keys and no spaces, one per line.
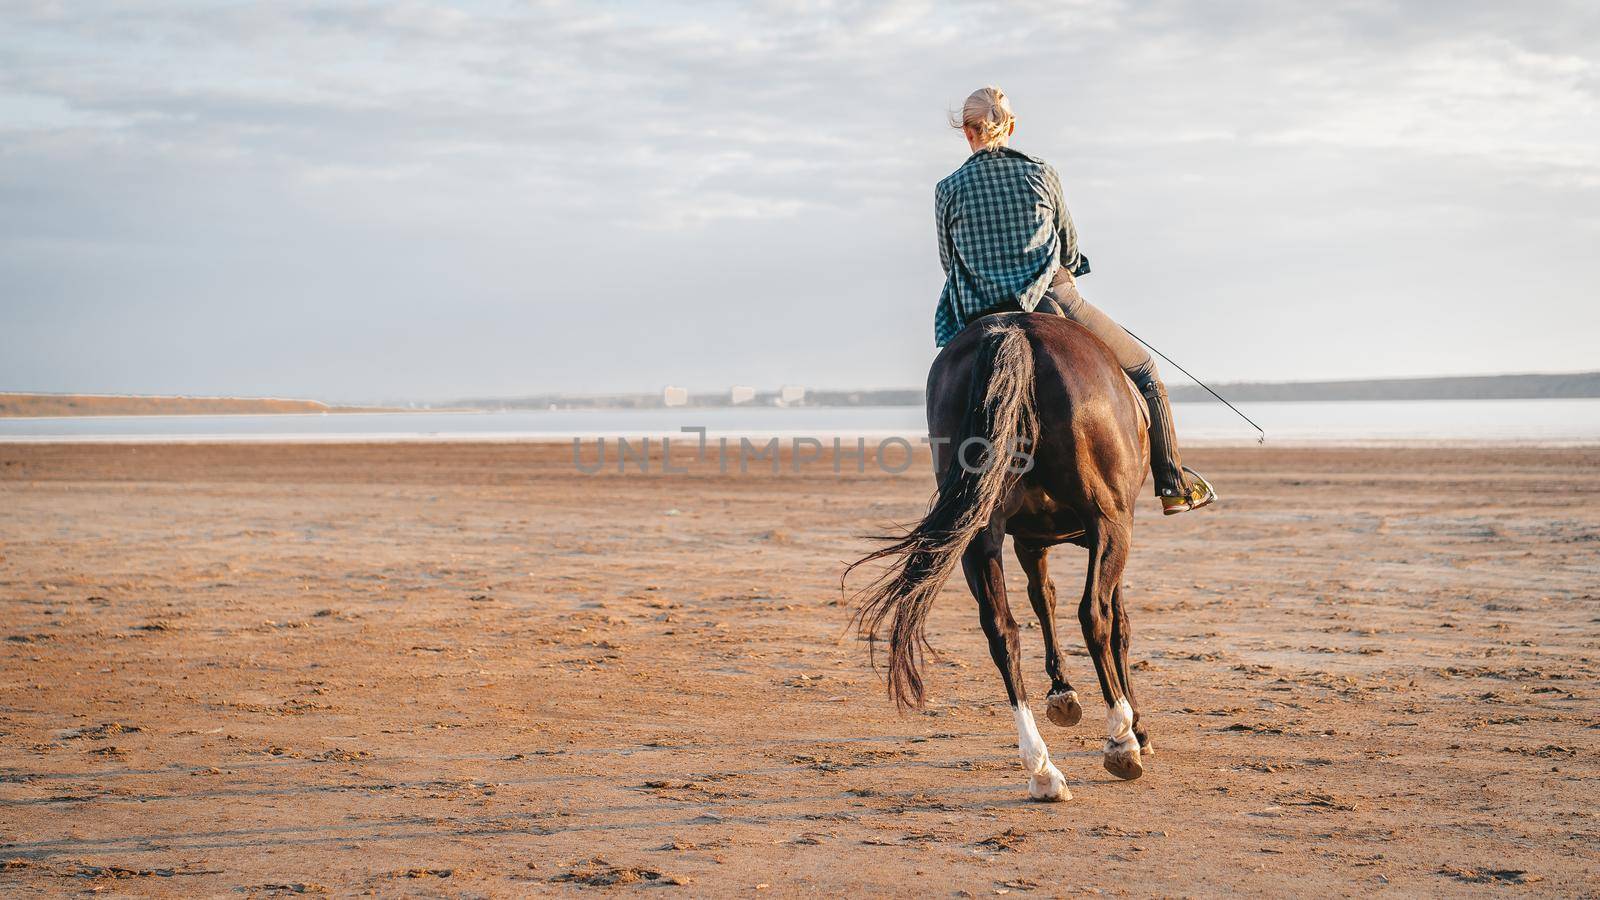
{"x":357,"y":201}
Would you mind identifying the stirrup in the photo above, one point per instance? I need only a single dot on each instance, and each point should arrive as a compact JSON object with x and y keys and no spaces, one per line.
{"x":1198,"y":493}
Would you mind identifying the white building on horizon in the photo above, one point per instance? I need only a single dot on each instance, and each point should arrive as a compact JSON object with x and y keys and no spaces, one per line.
{"x":741,"y":393}
{"x":674,"y":396}
{"x":790,"y":394}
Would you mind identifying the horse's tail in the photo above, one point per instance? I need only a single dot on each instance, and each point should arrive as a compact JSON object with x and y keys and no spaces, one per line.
{"x":1000,"y":413}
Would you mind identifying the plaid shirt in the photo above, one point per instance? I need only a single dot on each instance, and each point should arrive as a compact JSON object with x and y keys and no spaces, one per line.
{"x":1003,"y":232}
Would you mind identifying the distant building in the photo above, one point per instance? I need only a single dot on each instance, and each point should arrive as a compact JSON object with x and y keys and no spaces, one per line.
{"x":741,"y":394}
{"x":674,"y":396}
{"x":790,"y":394}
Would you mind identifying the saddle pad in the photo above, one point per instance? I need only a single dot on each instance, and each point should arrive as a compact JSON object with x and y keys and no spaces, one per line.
{"x":1138,"y":402}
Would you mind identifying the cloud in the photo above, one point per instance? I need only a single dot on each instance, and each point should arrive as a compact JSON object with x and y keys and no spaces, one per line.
{"x":484,"y":173}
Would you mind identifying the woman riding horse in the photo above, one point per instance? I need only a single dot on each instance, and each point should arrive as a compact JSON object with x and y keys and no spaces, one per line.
{"x":1056,"y":387}
{"x":1007,"y":244}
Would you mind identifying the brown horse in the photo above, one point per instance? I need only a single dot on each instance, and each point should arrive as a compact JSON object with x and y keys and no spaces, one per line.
{"x":1037,"y":434}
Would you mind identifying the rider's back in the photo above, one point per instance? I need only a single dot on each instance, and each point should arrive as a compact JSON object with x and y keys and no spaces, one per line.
{"x":999,"y":220}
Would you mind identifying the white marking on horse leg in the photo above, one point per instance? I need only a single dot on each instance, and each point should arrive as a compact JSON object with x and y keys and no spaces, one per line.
{"x":1119,"y":728}
{"x":1044,"y":779}
{"x":1035,"y":755}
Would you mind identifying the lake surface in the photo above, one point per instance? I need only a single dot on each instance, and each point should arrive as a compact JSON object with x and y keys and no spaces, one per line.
{"x":1520,"y":421}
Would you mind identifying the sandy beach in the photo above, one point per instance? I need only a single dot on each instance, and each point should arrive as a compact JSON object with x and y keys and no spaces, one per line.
{"x":470,"y":670}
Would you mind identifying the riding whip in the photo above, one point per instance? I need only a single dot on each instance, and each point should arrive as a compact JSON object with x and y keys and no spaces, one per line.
{"x":1260,"y":440}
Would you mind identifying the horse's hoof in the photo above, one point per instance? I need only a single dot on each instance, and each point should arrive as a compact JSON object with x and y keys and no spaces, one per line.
{"x":1146,"y":748}
{"x":1124,"y":763}
{"x":1048,"y":787}
{"x":1063,"y":709}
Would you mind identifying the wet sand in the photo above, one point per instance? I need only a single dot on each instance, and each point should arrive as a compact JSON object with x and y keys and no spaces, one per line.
{"x":466,"y":669}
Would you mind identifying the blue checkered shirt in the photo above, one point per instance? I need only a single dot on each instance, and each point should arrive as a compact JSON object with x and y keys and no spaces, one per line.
{"x":1003,"y":232}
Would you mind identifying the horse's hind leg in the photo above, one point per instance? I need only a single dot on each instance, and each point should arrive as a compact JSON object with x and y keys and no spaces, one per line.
{"x":1108,"y":553}
{"x":986,"y":578}
{"x":1062,"y":706}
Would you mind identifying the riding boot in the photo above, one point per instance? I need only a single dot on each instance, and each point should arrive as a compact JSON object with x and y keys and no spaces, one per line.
{"x":1164,"y":462}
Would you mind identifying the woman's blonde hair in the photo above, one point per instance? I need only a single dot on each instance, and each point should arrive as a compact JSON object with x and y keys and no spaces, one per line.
{"x":988,"y":113}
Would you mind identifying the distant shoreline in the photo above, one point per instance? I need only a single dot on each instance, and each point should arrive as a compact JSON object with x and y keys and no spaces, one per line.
{"x":1574,"y":385}
{"x":1561,"y":386}
{"x":39,"y":405}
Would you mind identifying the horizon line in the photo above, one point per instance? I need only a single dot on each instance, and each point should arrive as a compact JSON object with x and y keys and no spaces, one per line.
{"x":704,"y":391}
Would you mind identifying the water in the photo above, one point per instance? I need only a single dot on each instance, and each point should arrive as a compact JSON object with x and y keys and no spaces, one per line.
{"x":1516,"y":421}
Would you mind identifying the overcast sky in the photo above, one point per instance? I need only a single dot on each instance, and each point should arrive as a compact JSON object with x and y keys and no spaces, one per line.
{"x":362,"y":201}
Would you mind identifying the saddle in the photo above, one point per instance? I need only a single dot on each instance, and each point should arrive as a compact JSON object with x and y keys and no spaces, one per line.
{"x":1048,"y":307}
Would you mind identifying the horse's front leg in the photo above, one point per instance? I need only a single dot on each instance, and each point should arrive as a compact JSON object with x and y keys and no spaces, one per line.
{"x":986,"y":577}
{"x":1121,"y":631}
{"x":1108,"y":553}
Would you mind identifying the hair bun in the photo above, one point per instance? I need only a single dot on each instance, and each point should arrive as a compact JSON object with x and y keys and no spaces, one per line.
{"x":987,"y":112}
